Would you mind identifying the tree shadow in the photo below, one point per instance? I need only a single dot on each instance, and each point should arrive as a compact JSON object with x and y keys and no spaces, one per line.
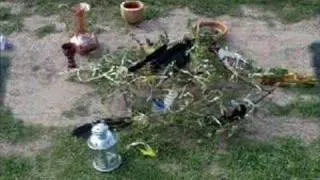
{"x":4,"y":74}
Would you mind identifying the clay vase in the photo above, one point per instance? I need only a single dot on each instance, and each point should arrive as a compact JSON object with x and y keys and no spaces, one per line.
{"x":132,"y":11}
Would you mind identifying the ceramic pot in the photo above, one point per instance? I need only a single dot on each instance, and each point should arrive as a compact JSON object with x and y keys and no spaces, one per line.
{"x":132,"y":11}
{"x":218,"y":29}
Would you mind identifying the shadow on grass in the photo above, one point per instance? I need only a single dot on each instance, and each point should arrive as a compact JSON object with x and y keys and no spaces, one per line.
{"x":11,"y":129}
{"x":4,"y":74}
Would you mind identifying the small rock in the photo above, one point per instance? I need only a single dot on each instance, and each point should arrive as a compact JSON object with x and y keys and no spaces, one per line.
{"x":35,"y":68}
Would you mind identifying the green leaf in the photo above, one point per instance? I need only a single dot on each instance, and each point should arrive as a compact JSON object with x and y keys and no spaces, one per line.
{"x":148,"y":151}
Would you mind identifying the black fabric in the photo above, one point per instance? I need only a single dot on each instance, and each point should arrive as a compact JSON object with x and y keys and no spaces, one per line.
{"x":163,"y":56}
{"x":84,"y":131}
{"x":149,"y":58}
{"x":176,"y":53}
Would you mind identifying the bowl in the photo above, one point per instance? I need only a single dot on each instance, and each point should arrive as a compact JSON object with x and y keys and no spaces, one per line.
{"x":132,"y":11}
{"x":217,"y":28}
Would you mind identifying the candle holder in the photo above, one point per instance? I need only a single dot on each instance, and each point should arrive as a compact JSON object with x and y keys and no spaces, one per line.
{"x":103,"y":142}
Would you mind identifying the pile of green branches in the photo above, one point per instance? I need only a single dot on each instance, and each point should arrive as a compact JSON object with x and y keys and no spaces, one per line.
{"x":204,"y":87}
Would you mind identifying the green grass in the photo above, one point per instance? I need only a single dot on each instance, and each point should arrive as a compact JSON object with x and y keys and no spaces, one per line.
{"x":14,"y":167}
{"x":10,"y":27}
{"x":13,"y":130}
{"x":5,"y":13}
{"x":45,"y":30}
{"x":288,"y":10}
{"x":180,"y":157}
{"x":282,"y":159}
{"x":152,"y":12}
{"x":70,"y":158}
{"x":299,"y":107}
{"x":302,"y":109}
{"x":9,"y":23}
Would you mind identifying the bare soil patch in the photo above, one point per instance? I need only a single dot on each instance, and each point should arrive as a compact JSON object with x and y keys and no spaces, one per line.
{"x":38,"y":94}
{"x":276,"y":44}
{"x":266,"y":128}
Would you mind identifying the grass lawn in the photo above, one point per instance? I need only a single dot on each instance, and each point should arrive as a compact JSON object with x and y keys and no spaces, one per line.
{"x":45,"y":30}
{"x":9,"y":22}
{"x":105,"y":11}
{"x":181,"y":156}
{"x":13,"y":130}
{"x":300,"y":107}
{"x":288,"y":10}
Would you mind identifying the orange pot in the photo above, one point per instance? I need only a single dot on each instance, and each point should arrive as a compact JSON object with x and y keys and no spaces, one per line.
{"x":218,"y":29}
{"x":132,"y":11}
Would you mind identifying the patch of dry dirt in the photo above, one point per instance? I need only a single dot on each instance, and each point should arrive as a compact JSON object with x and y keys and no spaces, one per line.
{"x":38,"y":94}
{"x":35,"y":91}
{"x":25,"y":149}
{"x":266,"y":128}
{"x":175,"y":24}
{"x":91,"y":107}
{"x":32,"y":23}
{"x":271,"y":43}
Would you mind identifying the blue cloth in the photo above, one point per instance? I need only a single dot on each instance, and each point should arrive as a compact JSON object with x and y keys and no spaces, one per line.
{"x":4,"y":44}
{"x":158,"y":105}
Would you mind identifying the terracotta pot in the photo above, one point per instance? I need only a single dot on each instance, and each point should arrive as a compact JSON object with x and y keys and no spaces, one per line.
{"x":132,"y":11}
{"x":218,"y":29}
